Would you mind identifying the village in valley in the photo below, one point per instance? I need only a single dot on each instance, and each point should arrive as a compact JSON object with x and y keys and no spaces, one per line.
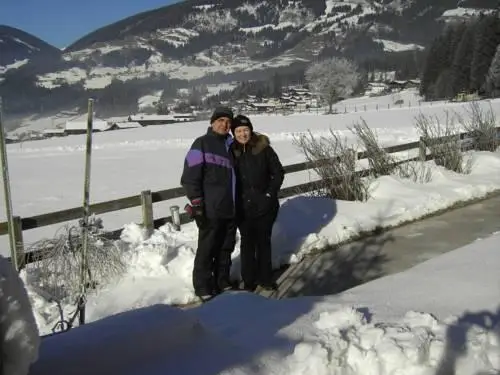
{"x":293,"y":99}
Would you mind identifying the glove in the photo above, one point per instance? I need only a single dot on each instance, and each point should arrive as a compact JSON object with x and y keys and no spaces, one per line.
{"x":196,"y":212}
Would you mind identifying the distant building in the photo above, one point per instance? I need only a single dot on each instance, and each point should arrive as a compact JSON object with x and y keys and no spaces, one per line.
{"x":146,"y":120}
{"x":263,"y":107}
{"x":80,"y":127}
{"x":50,"y":133}
{"x":124,"y":125}
{"x":12,"y":139}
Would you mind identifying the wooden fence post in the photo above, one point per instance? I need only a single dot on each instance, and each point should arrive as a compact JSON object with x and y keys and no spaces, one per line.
{"x":18,"y":236}
{"x":147,"y":211}
{"x":422,"y":149}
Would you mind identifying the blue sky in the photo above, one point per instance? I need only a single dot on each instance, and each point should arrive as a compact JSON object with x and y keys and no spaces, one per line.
{"x":61,"y":22}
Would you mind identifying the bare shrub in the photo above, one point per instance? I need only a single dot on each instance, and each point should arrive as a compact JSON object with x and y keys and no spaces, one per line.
{"x":335,"y":163}
{"x":380,"y":161}
{"x":417,"y":171}
{"x":481,"y":125}
{"x":443,"y":140}
{"x":57,"y":271}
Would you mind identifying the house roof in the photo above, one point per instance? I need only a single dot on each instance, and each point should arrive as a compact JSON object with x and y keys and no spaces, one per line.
{"x":151,"y":117}
{"x":82,"y":125}
{"x":53,"y":131}
{"x":127,"y":124}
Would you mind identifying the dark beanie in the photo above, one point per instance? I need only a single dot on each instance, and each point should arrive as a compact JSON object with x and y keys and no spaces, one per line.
{"x":241,"y":120}
{"x":222,"y":112}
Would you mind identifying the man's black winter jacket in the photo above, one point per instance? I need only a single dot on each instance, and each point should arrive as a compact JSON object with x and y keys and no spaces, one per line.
{"x":209,"y":174}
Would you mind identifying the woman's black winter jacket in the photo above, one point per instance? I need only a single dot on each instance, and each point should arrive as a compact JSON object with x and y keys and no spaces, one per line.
{"x":259,"y":176}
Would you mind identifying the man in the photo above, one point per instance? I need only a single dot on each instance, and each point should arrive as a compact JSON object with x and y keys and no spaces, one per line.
{"x":209,"y":180}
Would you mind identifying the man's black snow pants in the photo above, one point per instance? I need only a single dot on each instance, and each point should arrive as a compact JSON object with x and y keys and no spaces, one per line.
{"x":255,"y":249}
{"x":212,"y":263}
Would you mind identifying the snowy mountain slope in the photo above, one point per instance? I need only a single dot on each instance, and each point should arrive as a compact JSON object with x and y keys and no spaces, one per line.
{"x":18,"y":48}
{"x":217,"y":40}
{"x":17,"y":45}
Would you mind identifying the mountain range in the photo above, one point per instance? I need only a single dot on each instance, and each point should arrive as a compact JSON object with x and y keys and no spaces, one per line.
{"x":195,"y":42}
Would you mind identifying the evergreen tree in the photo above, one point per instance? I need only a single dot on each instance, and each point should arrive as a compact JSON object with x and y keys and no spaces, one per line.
{"x":492,"y":84}
{"x":462,"y":60}
{"x":435,"y":62}
{"x":487,"y":37}
{"x":436,"y":75}
{"x":277,"y":83}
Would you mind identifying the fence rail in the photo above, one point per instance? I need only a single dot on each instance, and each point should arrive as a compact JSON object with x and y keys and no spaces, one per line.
{"x":147,"y":198}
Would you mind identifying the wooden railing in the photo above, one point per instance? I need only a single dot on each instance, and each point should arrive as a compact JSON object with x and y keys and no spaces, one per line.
{"x":147,"y":198}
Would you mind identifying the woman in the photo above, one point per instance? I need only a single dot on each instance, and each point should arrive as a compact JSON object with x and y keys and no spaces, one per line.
{"x":259,"y":175}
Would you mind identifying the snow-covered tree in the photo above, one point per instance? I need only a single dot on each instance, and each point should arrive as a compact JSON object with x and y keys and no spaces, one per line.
{"x":333,"y":79}
{"x":492,"y":84}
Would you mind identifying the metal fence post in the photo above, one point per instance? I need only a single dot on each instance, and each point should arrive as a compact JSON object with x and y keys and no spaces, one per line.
{"x":7,"y":194}
{"x":176,"y":219}
{"x":147,"y":211}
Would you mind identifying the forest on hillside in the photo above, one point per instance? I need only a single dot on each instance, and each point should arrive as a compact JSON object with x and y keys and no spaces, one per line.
{"x":465,"y":58}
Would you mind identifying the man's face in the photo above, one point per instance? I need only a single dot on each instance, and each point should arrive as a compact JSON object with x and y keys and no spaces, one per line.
{"x":222,"y":125}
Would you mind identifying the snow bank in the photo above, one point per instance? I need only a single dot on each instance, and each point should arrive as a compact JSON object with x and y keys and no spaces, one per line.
{"x":18,"y":330}
{"x":155,"y":340}
{"x":340,"y":341}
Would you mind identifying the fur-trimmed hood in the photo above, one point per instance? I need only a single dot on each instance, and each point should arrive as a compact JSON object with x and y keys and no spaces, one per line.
{"x":257,"y":143}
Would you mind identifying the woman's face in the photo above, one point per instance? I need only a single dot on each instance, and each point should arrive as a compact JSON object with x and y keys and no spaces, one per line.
{"x":242,"y":134}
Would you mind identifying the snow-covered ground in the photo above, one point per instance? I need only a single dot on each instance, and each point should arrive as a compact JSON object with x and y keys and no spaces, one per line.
{"x":441,"y":317}
{"x":158,"y":269}
{"x":48,"y":175}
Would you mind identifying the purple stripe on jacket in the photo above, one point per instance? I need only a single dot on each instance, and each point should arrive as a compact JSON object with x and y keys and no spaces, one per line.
{"x":218,"y":160}
{"x":196,"y":157}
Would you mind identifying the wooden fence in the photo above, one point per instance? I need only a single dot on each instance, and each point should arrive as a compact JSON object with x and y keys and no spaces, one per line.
{"x":147,"y":198}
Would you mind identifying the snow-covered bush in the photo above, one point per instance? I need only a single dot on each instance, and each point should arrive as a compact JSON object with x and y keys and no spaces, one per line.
{"x":380,"y":161}
{"x":481,"y":124}
{"x":57,"y":272}
{"x":417,"y":171}
{"x":335,"y":163}
{"x":443,"y":140}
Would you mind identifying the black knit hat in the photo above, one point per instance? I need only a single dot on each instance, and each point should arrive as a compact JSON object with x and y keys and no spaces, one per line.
{"x":222,"y":112}
{"x":241,"y":120}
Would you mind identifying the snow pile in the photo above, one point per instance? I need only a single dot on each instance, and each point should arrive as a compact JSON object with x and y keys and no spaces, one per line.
{"x":343,"y":342}
{"x":18,"y":330}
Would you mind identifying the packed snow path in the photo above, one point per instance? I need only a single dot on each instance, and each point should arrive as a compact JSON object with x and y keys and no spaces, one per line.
{"x":394,"y":251}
